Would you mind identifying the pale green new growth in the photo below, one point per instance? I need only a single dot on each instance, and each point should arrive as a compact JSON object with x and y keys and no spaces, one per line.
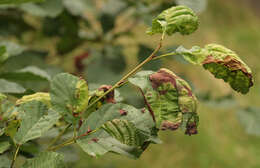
{"x":40,"y":96}
{"x":222,"y":63}
{"x":175,"y":19}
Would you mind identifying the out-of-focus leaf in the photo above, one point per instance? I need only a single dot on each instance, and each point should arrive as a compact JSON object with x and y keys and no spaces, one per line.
{"x":175,"y":19}
{"x":118,"y":128}
{"x":18,"y":1}
{"x":2,"y":97}
{"x":50,"y":8}
{"x":69,"y":95}
{"x":250,"y":119}
{"x":4,"y":146}
{"x":4,"y":161}
{"x":223,"y":63}
{"x":3,"y":54}
{"x":107,"y":22}
{"x":196,"y":5}
{"x":169,"y":99}
{"x":44,"y":160}
{"x":10,"y":87}
{"x":12,"y":48}
{"x":39,"y":96}
{"x":79,"y":7}
{"x":143,"y":53}
{"x":36,"y":120}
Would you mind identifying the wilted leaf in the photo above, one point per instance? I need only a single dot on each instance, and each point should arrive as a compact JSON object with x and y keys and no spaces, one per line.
{"x":169,"y":100}
{"x":223,"y":63}
{"x":50,"y":8}
{"x":4,"y":146}
{"x":117,"y":128}
{"x":69,"y":95}
{"x":36,"y":120}
{"x":10,"y":87}
{"x":46,"y":160}
{"x":175,"y":19}
{"x":250,"y":119}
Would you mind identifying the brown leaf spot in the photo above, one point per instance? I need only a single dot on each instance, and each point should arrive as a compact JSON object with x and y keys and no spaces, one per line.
{"x":122,"y":112}
{"x":94,"y":140}
{"x":166,"y":125}
{"x":110,"y":97}
{"x":143,"y":110}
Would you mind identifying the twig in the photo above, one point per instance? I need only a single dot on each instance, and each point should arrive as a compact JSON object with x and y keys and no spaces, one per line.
{"x":15,"y":156}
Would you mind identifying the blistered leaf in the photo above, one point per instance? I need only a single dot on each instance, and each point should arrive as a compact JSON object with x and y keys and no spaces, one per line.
{"x":250,"y":119}
{"x":46,"y":160}
{"x":50,"y":8}
{"x":117,"y":128}
{"x":39,"y":96}
{"x":18,"y":1}
{"x":10,"y":87}
{"x":169,"y":99}
{"x":223,"y":63}
{"x":175,"y":19}
{"x":36,"y":120}
{"x":4,"y":146}
{"x":69,"y":95}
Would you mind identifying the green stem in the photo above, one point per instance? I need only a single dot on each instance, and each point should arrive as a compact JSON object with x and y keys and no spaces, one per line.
{"x":59,"y":136}
{"x":132,"y":72}
{"x":15,"y":156}
{"x":165,"y":55}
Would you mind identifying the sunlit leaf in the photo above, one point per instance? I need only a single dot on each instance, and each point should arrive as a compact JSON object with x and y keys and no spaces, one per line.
{"x":169,"y":99}
{"x":118,"y":128}
{"x":223,"y":63}
{"x":46,"y":160}
{"x":175,"y":19}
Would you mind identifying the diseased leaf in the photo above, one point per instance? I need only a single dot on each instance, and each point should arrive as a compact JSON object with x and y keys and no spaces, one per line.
{"x":4,"y":146}
{"x":175,"y":19}
{"x":223,"y":63}
{"x":250,"y":119}
{"x":36,"y":120}
{"x":50,"y":8}
{"x":169,"y":100}
{"x":18,"y":1}
{"x":10,"y":87}
{"x":118,"y":128}
{"x":69,"y":95}
{"x":39,"y":96}
{"x":46,"y":160}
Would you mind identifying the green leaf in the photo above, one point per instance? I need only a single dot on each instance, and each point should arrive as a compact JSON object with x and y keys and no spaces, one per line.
{"x":117,"y":128}
{"x":78,"y":7}
{"x":250,"y":119}
{"x":169,"y":99}
{"x":50,"y":8}
{"x":4,"y":161}
{"x":223,"y":63}
{"x":2,"y":97}
{"x":36,"y":120}
{"x":12,"y":48}
{"x":3,"y":54}
{"x":10,"y":87}
{"x":4,"y":146}
{"x":69,"y":95}
{"x":46,"y":160}
{"x":39,"y":96}
{"x":175,"y":19}
{"x":18,"y":1}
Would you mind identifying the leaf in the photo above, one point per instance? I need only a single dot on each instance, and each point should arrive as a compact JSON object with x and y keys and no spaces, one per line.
{"x":10,"y":87}
{"x":69,"y":95}
{"x":2,"y":97}
{"x":4,"y":161}
{"x":78,"y":7}
{"x":18,"y":1}
{"x":169,"y":99}
{"x":4,"y":146}
{"x":223,"y":63}
{"x":250,"y":119}
{"x":39,"y":96}
{"x":117,"y":128}
{"x":175,"y":19}
{"x":50,"y":8}
{"x":46,"y":160}
{"x":35,"y":121}
{"x":12,"y":48}
{"x":3,"y":54}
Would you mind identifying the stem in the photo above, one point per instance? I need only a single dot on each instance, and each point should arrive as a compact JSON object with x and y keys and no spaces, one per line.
{"x":15,"y":155}
{"x":59,"y":136}
{"x":165,"y":55}
{"x":132,"y":72}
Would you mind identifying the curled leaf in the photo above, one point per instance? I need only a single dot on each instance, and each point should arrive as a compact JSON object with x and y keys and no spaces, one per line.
{"x":223,"y":63}
{"x":175,"y":19}
{"x":169,"y":99}
{"x":40,"y":96}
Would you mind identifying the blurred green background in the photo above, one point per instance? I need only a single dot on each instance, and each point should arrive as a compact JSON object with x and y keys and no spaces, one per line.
{"x":229,"y":130}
